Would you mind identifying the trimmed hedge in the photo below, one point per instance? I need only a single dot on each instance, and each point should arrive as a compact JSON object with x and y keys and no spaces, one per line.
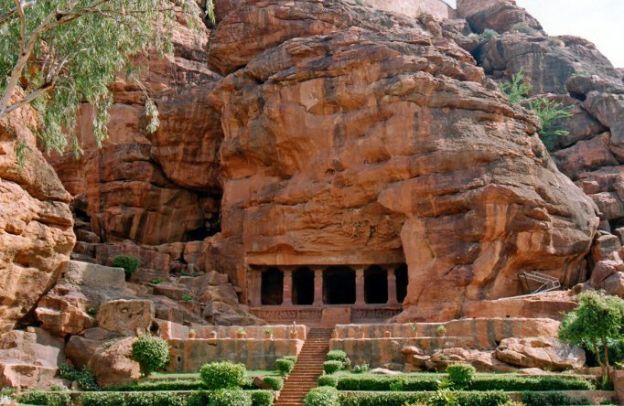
{"x":162,"y":385}
{"x":284,"y":365}
{"x":323,"y":396}
{"x":336,"y":355}
{"x":152,"y":353}
{"x":223,"y":375}
{"x":460,"y":375}
{"x":258,"y":398}
{"x":431,"y":383}
{"x":275,"y":382}
{"x":550,"y":399}
{"x":491,"y":398}
{"x":45,"y":398}
{"x":332,"y":366}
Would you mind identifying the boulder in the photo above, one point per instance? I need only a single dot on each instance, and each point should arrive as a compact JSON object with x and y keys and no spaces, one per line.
{"x":29,"y":359}
{"x":36,"y":233}
{"x":483,"y":361}
{"x":112,"y":365}
{"x":540,"y":352}
{"x":500,"y":16}
{"x":614,"y":284}
{"x":80,"y":349}
{"x":126,"y":317}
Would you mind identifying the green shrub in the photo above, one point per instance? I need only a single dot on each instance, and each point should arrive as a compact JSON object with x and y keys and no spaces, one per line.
{"x":155,"y":399}
{"x":460,"y":375}
{"x":262,"y":398}
{"x":163,"y":385}
{"x":336,"y":355}
{"x":83,"y":377}
{"x":360,"y":369}
{"x":332,"y":366}
{"x":229,"y":397}
{"x":152,"y":353}
{"x":275,"y":382}
{"x":187,"y":297}
{"x":103,"y":399}
{"x":489,"y":34}
{"x":284,"y":365}
{"x":530,"y":383}
{"x":128,"y":263}
{"x":550,"y":399}
{"x":385,"y":383}
{"x":516,"y":90}
{"x":45,"y":398}
{"x":328,"y":380}
{"x":223,"y":375}
{"x":323,"y":396}
{"x":443,"y":398}
{"x":550,"y":113}
{"x":293,"y":358}
{"x":491,"y":398}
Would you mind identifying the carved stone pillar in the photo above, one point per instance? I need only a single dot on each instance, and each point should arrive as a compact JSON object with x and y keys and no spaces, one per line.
{"x":359,"y":286}
{"x":287,"y":295}
{"x":318,"y":287}
{"x":255,"y":287}
{"x":392,"y":290}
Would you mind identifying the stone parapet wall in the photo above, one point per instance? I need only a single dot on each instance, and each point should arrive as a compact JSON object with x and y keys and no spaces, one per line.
{"x":177,"y":331}
{"x":413,"y":8}
{"x":190,"y":354}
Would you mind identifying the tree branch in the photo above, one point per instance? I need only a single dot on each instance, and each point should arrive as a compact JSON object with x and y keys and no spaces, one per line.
{"x":29,"y":98}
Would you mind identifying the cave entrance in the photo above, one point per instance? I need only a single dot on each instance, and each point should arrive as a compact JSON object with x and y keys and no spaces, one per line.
{"x":272,"y":287}
{"x":303,"y":286}
{"x":339,"y":285}
{"x":376,"y":285}
{"x":401,"y":282}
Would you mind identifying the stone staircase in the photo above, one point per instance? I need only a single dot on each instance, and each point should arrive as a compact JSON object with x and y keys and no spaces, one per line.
{"x":308,"y":368}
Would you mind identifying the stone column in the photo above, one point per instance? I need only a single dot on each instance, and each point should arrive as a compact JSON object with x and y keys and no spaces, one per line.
{"x":287,"y":295}
{"x":318,"y":287}
{"x":392,"y":289}
{"x":255,"y":287}
{"x":359,"y":286}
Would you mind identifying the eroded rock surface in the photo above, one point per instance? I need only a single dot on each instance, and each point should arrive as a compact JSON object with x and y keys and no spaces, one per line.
{"x":36,"y":236}
{"x":359,"y":146}
{"x":540,"y":352}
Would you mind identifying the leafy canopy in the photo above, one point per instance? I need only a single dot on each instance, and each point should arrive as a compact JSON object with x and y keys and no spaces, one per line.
{"x":56,"y":54}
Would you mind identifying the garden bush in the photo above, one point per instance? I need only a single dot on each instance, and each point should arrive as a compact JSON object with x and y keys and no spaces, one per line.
{"x":155,"y":399}
{"x":223,"y":375}
{"x":360,"y":369}
{"x":336,"y":355}
{"x":328,"y":380}
{"x":83,"y":377}
{"x":45,"y":398}
{"x":332,"y":366}
{"x":258,"y":398}
{"x":293,"y":358}
{"x":128,"y":263}
{"x":460,"y":375}
{"x":103,"y":399}
{"x":152,"y":353}
{"x":162,"y":385}
{"x":275,"y":382}
{"x":262,"y":398}
{"x":284,"y":365}
{"x":530,"y":383}
{"x":491,"y":398}
{"x":550,"y":399}
{"x":323,"y":396}
{"x":230,"y":397}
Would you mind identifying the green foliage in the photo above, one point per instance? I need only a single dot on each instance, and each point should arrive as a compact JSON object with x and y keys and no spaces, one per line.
{"x":261,"y":398}
{"x":293,"y":358}
{"x":230,"y":397}
{"x":360,"y":369}
{"x":83,"y":377}
{"x":489,"y":34}
{"x":517,"y":90}
{"x":128,"y":263}
{"x":336,"y":355}
{"x":443,"y":398}
{"x":187,"y":297}
{"x":597,"y":321}
{"x":156,"y":281}
{"x":284,"y":365}
{"x":275,"y":382}
{"x":328,"y":380}
{"x":323,"y":396}
{"x":60,"y":53}
{"x":491,"y":398}
{"x":204,"y":398}
{"x":550,"y":113}
{"x":332,"y":366}
{"x":223,"y":375}
{"x":550,"y":399}
{"x":460,"y":375}
{"x":103,"y":399}
{"x":152,"y":353}
{"x":163,"y":385}
{"x":45,"y":398}
{"x":432,"y":382}
{"x":441,"y":330}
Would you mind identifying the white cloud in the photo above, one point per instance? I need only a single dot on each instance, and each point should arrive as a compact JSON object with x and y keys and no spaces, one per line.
{"x":600,"y":21}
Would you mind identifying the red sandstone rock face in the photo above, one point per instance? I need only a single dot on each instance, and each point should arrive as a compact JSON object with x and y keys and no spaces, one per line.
{"x":162,"y":187}
{"x":367,"y":147}
{"x":36,"y":234}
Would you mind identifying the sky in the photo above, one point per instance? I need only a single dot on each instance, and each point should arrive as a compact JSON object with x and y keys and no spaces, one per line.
{"x":600,"y":21}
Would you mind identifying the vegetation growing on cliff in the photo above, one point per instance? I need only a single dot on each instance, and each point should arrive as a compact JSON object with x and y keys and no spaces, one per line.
{"x":548,"y":111}
{"x":57,"y":54}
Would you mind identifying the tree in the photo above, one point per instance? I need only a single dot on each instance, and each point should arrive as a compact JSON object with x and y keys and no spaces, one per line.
{"x":152,"y":353}
{"x":57,"y":54}
{"x":594,"y":324}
